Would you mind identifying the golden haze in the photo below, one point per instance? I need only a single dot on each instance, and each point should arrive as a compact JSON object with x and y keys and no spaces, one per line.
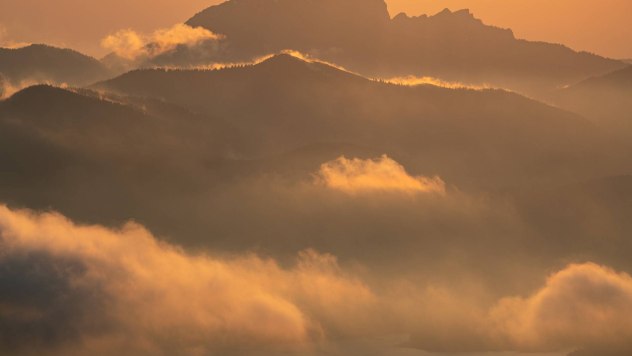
{"x":601,"y":27}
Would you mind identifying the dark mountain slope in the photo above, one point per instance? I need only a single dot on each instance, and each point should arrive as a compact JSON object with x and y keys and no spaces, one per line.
{"x":621,"y":79}
{"x":41,"y":63}
{"x":92,"y":157}
{"x":606,"y":100}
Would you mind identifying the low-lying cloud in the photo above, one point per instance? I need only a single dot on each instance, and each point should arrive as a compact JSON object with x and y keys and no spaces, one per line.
{"x":123,"y":289}
{"x":412,"y":80}
{"x":73,"y":289}
{"x":585,"y":305}
{"x":7,"y":42}
{"x":132,"y":45}
{"x":8,"y":88}
{"x":214,"y":65}
{"x":382,"y":174}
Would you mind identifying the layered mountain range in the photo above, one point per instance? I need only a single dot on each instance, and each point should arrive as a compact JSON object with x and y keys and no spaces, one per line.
{"x":285,"y":116}
{"x":404,"y":149}
{"x":604,"y":99}
{"x":45,"y":64}
{"x":358,"y":35}
{"x":361,"y":36}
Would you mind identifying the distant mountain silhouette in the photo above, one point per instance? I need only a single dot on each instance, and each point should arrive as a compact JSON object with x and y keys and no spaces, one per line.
{"x":620,"y":79}
{"x":284,"y":102}
{"x":607,"y":100}
{"x":118,"y":65}
{"x":360,"y":35}
{"x":569,"y":212}
{"x":41,"y":63}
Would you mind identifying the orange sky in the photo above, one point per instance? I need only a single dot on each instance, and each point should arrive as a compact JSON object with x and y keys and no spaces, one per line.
{"x":600,"y":26}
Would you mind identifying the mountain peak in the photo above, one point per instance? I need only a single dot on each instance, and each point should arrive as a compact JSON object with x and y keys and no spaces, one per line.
{"x":284,"y":58}
{"x":45,"y":48}
{"x":458,"y":13}
{"x":40,"y":91}
{"x":297,"y":24}
{"x":360,"y":35}
{"x":458,"y":16}
{"x":444,"y":12}
{"x":285,"y":62}
{"x":621,"y":78}
{"x":446,"y":15}
{"x":46,"y":95}
{"x":48,"y":64}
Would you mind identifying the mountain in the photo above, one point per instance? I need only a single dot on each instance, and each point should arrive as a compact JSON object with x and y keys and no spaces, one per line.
{"x":361,"y":36}
{"x":284,"y":102}
{"x":580,"y":212}
{"x":299,"y":25}
{"x":229,"y":160}
{"x":45,"y":64}
{"x":148,"y":131}
{"x":620,"y":79}
{"x":88,"y":155}
{"x":606,"y":100}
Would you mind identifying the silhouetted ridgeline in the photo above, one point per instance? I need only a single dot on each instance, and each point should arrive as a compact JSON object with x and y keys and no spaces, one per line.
{"x":606,"y":100}
{"x":65,"y":149}
{"x":361,"y":36}
{"x":42,"y":63}
{"x":284,"y":102}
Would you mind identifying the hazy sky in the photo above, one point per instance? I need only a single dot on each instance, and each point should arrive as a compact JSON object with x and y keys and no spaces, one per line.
{"x":600,"y":26}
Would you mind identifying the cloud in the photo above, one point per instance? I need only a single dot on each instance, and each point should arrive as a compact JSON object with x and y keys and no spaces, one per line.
{"x":412,"y":80}
{"x":108,"y":290}
{"x":8,"y":88}
{"x":74,"y":289}
{"x":583,"y":305}
{"x":132,"y":45}
{"x":7,"y":42}
{"x":126,"y":43}
{"x":382,"y":175}
{"x":312,"y":59}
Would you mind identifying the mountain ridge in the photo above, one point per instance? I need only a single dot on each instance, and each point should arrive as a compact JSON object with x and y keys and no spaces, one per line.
{"x":450,"y":45}
{"x":41,"y":62}
{"x":278,"y":112}
{"x":606,"y":100}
